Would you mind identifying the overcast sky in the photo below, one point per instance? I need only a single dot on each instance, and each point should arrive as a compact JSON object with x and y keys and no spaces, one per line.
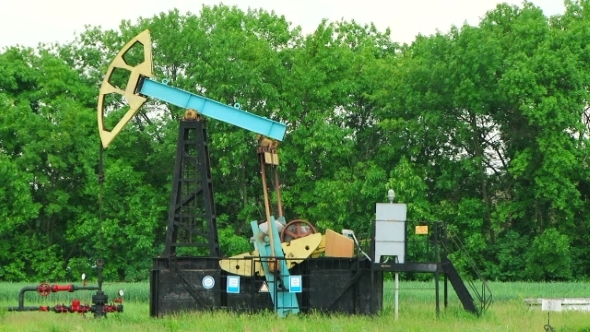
{"x":29,"y":22}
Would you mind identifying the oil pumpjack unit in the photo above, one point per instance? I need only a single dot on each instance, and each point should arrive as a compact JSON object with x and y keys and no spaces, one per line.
{"x":292,"y":267}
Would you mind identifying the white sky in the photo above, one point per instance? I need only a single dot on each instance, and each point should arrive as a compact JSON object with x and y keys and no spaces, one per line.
{"x":29,"y":22}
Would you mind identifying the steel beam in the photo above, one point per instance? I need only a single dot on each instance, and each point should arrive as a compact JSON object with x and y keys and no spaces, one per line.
{"x":213,"y":109}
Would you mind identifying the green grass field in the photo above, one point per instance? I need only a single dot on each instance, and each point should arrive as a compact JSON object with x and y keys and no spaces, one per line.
{"x":416,"y":313}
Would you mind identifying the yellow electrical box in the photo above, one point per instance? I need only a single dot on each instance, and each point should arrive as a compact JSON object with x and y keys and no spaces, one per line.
{"x":421,"y":230}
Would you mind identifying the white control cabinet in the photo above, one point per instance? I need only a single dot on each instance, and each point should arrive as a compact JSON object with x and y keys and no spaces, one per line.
{"x":390,"y":231}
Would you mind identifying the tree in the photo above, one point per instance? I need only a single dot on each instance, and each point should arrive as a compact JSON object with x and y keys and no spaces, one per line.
{"x":478,"y":126}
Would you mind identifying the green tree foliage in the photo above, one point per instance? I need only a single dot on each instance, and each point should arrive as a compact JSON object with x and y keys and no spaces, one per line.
{"x":550,"y":257}
{"x":494,"y":113}
{"x":484,"y":127}
{"x":46,"y":161}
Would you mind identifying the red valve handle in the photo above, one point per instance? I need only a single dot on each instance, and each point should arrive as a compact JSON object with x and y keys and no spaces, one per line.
{"x":44,"y":289}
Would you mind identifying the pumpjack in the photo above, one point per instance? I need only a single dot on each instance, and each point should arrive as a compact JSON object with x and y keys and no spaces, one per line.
{"x":292,"y":264}
{"x":191,"y":218}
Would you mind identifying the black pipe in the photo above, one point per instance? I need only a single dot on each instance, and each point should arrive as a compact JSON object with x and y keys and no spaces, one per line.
{"x":21,"y":294}
{"x":77,"y":288}
{"x":23,"y":308}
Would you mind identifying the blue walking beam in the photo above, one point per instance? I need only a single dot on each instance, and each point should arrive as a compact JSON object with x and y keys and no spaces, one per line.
{"x":213,"y":109}
{"x":285,"y":302}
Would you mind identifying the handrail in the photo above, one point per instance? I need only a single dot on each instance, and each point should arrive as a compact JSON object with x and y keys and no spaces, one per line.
{"x":484,"y":296}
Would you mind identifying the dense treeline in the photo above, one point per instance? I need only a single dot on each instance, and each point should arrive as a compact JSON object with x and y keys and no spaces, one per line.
{"x":484,"y":127}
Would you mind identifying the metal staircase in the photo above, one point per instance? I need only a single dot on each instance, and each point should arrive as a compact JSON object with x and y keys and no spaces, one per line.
{"x":458,"y":285}
{"x":478,"y":286}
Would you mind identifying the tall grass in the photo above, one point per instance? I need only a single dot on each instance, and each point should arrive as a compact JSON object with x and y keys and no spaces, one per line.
{"x":410,"y":290}
{"x":416,"y":313}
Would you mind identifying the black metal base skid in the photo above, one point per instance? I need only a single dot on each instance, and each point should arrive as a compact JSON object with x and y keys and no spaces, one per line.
{"x":329,"y":285}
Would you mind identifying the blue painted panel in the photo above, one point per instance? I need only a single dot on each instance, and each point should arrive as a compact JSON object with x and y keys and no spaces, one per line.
{"x":233,"y":284}
{"x":214,"y":109}
{"x":285,"y":302}
{"x":295,"y":284}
